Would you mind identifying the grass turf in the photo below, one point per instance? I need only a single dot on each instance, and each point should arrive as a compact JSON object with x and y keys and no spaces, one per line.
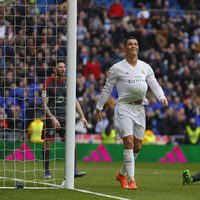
{"x":155,"y":181}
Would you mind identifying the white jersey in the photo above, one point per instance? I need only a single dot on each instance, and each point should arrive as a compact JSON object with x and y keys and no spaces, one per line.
{"x":131,"y":83}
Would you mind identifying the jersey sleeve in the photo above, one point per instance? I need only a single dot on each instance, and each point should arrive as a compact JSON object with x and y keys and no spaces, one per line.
{"x":107,"y":89}
{"x":154,"y":85}
{"x":45,"y":89}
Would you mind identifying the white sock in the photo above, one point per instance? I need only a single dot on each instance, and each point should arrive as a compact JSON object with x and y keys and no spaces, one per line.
{"x":129,"y":162}
{"x":122,"y":171}
{"x":135,"y":155}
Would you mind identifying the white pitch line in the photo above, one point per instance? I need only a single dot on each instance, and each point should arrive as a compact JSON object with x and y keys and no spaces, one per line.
{"x":100,"y":194}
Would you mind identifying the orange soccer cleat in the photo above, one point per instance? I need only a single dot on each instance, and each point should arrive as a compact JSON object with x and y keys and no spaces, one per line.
{"x":122,"y":179}
{"x":132,"y":185}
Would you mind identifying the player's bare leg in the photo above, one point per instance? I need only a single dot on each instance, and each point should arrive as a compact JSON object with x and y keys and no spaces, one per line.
{"x":137,"y":147}
{"x":46,"y":157}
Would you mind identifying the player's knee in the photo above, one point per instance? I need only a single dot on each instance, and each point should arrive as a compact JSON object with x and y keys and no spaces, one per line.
{"x":128,"y":143}
{"x":136,"y":150}
{"x":47,"y":144}
{"x":137,"y":147}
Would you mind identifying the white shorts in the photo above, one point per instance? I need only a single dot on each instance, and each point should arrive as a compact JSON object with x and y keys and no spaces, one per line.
{"x":130,"y":120}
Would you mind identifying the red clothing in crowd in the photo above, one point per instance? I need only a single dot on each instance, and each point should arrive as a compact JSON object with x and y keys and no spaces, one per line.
{"x":92,"y":67}
{"x":3,"y":124}
{"x":116,"y":10}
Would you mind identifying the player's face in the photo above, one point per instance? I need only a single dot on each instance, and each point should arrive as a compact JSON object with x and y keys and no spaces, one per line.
{"x":60,"y":69}
{"x":131,"y":47}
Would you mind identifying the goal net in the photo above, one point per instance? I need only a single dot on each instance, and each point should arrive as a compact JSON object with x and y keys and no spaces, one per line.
{"x":32,"y":38}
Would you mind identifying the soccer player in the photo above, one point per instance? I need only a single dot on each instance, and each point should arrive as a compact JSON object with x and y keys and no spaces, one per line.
{"x":131,"y":77}
{"x":187,"y":178}
{"x":54,"y":103}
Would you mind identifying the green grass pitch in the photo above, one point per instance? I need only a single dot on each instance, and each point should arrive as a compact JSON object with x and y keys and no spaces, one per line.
{"x":155,"y":181}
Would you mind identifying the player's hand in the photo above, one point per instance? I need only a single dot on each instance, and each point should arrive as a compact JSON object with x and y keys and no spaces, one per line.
{"x":85,"y":122}
{"x":98,"y":116}
{"x":55,"y":122}
{"x":164,"y":102}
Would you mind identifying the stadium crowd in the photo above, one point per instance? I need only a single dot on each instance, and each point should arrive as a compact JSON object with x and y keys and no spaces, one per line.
{"x":169,"y":41}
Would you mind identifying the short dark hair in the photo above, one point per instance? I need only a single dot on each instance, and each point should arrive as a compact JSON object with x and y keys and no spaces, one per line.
{"x":61,"y":60}
{"x":129,"y":38}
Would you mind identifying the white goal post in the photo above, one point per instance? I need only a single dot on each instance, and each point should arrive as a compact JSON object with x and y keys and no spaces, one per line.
{"x":32,"y":38}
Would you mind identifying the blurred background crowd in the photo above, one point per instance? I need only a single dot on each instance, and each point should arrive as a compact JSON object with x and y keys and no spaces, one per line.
{"x":33,"y":35}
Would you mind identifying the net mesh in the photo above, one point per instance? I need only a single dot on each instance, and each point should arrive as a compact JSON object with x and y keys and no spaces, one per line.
{"x":32,"y":38}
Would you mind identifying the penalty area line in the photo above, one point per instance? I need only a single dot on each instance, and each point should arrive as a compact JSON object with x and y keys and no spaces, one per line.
{"x":100,"y":194}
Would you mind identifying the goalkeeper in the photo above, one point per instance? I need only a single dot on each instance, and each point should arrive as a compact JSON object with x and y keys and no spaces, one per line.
{"x":54,"y":103}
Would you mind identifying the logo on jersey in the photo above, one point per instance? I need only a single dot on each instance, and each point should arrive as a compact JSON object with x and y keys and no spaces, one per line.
{"x":123,"y":132}
{"x":143,"y":72}
{"x":60,"y":99}
{"x":51,"y":133}
{"x":136,"y":79}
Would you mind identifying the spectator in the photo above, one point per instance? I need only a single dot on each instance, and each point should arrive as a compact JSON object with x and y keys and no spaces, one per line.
{"x":109,"y":135}
{"x":168,"y":122}
{"x":2,"y":28}
{"x":2,"y":59}
{"x":3,"y":120}
{"x":179,"y":126}
{"x":192,"y":132}
{"x":116,"y":10}
{"x":149,"y":137}
{"x":81,"y":31}
{"x":92,"y":67}
{"x":143,"y":15}
{"x":35,"y":130}
{"x":15,"y":119}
